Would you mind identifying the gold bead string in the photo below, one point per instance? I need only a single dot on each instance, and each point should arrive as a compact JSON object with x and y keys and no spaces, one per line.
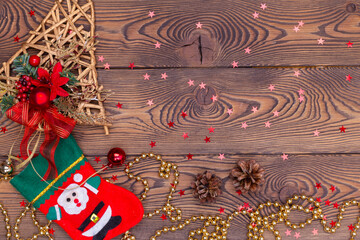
{"x":7,"y":222}
{"x":258,"y":223}
{"x":164,"y":172}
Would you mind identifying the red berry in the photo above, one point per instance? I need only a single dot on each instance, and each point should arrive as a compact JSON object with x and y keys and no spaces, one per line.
{"x":18,"y":96}
{"x":34,"y":60}
{"x":29,"y":83}
{"x":31,"y":88}
{"x":20,"y":90}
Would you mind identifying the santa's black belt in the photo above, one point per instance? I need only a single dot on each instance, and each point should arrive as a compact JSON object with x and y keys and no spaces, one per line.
{"x":88,"y":220}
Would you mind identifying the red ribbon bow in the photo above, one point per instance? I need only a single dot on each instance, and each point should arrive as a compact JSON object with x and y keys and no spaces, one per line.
{"x":55,"y":126}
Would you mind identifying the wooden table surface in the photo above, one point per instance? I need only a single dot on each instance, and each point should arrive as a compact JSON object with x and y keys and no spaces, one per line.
{"x":127,"y":34}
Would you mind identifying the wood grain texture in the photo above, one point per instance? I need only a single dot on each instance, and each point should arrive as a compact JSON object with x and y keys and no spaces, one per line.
{"x":127,"y":34}
{"x":330,"y":102}
{"x":283,"y":179}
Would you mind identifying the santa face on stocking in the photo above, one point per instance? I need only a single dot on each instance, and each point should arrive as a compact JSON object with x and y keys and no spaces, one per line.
{"x":79,"y":204}
{"x":73,"y":199}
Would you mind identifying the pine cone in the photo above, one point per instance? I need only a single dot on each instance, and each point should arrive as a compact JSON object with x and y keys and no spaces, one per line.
{"x":247,"y":176}
{"x":207,"y":187}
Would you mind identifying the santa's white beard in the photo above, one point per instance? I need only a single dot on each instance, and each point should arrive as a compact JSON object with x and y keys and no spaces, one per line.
{"x":81,"y":195}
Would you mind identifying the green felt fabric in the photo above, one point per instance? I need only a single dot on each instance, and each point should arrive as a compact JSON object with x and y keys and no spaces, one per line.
{"x":29,"y":184}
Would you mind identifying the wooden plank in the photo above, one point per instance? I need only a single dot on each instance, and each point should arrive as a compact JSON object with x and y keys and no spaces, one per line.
{"x":330,"y":102}
{"x":283,"y":179}
{"x":127,"y":34}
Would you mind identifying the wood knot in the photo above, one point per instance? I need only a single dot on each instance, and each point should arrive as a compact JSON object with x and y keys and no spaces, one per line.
{"x":287,"y":191}
{"x":198,"y":49}
{"x":203,"y":96}
{"x":351,"y":7}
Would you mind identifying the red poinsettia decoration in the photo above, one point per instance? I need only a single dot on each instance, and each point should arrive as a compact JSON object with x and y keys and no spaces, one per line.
{"x":53,"y":81}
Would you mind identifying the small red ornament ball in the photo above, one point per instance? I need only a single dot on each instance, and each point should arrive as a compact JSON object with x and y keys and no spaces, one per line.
{"x":116,"y":157}
{"x":34,"y":60}
{"x":40,"y":97}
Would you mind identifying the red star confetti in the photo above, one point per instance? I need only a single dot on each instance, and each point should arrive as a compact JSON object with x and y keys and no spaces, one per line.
{"x":349,"y":44}
{"x":327,"y":203}
{"x":244,"y":125}
{"x":342,"y":129}
{"x":234,"y":64}
{"x":132,"y":65}
{"x":246,"y":205}
{"x":254,"y":109}
{"x":182,"y":193}
{"x":288,"y":232}
{"x":171,"y":124}
{"x":190,"y":156}
{"x":101,"y":58}
{"x":336,"y":205}
{"x":104,"y":167}
{"x":271,"y":87}
{"x":23,"y":203}
{"x":163,"y":217}
{"x":214,"y":98}
{"x":263,"y":6}
{"x":207,"y":139}
{"x":114,"y":178}
{"x":316,"y":133}
{"x":239,"y":192}
{"x":318,"y":199}
{"x":190,"y":82}
{"x":16,"y":39}
{"x":297,"y":73}
{"x":296,"y":28}
{"x":51,"y":231}
{"x":315,"y":231}
{"x":348,"y":78}
{"x":255,"y":15}
{"x":157,"y":45}
{"x":152,"y":144}
{"x":247,"y":50}
{"x":267,"y":124}
{"x":284,"y":156}
{"x":202,"y":85}
{"x":31,"y":13}
{"x":333,"y":224}
{"x":301,"y":92}
{"x":324,"y":217}
{"x":97,"y":159}
{"x":351,"y":227}
{"x":211,"y":129}
{"x":221,"y":210}
{"x":276,"y":114}
{"x":3,"y":129}
{"x":150,"y":102}
{"x":221,"y":156}
{"x":146,"y":76}
{"x":230,"y":111}
{"x":311,"y":208}
{"x":164,"y":76}
{"x":151,"y":14}
{"x":199,"y":25}
{"x":301,"y":23}
{"x":321,"y":41}
{"x":119,"y":105}
{"x":318,"y":185}
{"x":297,"y":235}
{"x":332,"y":188}
{"x":106,"y":66}
{"x":173,"y":185}
{"x":185,"y":135}
{"x":183,"y":114}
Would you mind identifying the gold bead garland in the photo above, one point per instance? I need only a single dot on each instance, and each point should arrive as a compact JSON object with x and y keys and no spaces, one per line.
{"x":258,"y":224}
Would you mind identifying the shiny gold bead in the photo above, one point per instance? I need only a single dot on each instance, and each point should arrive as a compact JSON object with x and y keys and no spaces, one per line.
{"x":144,"y":155}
